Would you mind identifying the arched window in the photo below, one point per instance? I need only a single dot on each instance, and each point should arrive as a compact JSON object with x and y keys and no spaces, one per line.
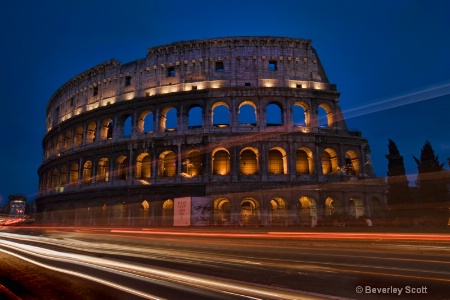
{"x":67,"y":139}
{"x":276,"y":162}
{"x":195,"y":117}
{"x":302,"y":162}
{"x":322,"y":117}
{"x":250,"y":212}
{"x":122,"y":168}
{"x":248,"y":162}
{"x":193,"y":163}
{"x":329,"y":161}
{"x":106,"y":131}
{"x":307,"y":211}
{"x":127,"y":127}
{"x":247,"y":113}
{"x":146,"y":122}
{"x":220,"y":115}
{"x":63,"y":176}
{"x":274,"y":116}
{"x":300,"y":115}
{"x":73,"y":173}
{"x":221,"y":162}
{"x":78,"y":138}
{"x":352,"y":163}
{"x":167,"y":212}
{"x":59,"y":143}
{"x":87,"y":172}
{"x":103,"y":170}
{"x":168,"y":119}
{"x":325,"y":115}
{"x":143,"y":166}
{"x":168,"y":164}
{"x":54,"y":178}
{"x":90,"y":137}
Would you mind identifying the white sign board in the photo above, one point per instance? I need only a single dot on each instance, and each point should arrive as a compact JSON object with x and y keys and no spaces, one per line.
{"x":182,"y":211}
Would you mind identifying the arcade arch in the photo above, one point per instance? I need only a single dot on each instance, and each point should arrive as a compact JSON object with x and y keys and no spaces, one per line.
{"x":220,"y":162}
{"x":329,"y":161}
{"x":247,"y":113}
{"x":250,"y":211}
{"x":307,"y":211}
{"x":277,"y":161}
{"x":220,"y":114}
{"x":249,"y":161}
{"x":167,"y":164}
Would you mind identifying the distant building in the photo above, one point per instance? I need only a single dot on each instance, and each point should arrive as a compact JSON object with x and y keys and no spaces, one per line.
{"x":17,"y":206}
{"x":251,"y":122}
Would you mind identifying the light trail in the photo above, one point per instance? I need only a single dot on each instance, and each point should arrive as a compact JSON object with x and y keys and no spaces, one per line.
{"x":423,"y":94}
{"x":279,"y":234}
{"x":154,"y":275}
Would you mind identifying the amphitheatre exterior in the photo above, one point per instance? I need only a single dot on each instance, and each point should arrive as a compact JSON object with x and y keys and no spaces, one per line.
{"x":234,"y":119}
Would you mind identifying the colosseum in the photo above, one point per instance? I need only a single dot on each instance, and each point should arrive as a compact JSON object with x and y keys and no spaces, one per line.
{"x":251,"y":123}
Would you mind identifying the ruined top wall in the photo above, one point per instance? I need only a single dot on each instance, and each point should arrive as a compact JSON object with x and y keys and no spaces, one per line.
{"x":184,"y":66}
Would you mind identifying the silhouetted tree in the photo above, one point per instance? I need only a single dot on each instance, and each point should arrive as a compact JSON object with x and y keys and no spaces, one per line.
{"x":432,"y":188}
{"x":400,"y":202}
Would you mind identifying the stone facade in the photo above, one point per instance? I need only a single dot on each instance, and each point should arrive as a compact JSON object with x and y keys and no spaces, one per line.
{"x":250,"y":121}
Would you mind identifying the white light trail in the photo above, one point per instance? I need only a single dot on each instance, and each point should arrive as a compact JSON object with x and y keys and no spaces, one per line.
{"x":423,"y":94}
{"x":153,"y":275}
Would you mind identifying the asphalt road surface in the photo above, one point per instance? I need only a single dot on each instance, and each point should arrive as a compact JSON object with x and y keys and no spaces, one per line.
{"x":209,"y":263}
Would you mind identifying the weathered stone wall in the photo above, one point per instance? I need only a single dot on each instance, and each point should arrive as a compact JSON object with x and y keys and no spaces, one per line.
{"x":262,"y":173}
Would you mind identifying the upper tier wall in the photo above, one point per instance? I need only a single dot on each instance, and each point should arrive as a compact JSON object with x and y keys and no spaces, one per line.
{"x":188,"y":65}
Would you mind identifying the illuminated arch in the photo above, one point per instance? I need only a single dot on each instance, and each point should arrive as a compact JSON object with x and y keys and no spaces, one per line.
{"x":168,"y":121}
{"x":193,"y":163}
{"x":277,"y":161}
{"x":167,"y":164}
{"x":355,"y":207}
{"x":326,"y":120}
{"x":301,"y":114}
{"x":143,"y":166}
{"x":167,"y":213}
{"x":67,"y":139}
{"x":304,"y":162}
{"x":63,"y":176}
{"x":78,"y":138}
{"x":91,"y":132}
{"x":352,"y":165}
{"x":278,"y":212}
{"x":248,"y":159}
{"x":122,"y":168}
{"x":73,"y":173}
{"x":307,"y":211}
{"x":329,"y":161}
{"x":250,"y":211}
{"x":106,"y":129}
{"x":222,"y":211}
{"x":54,"y":180}
{"x":145,"y":123}
{"x":333,"y":206}
{"x":220,"y":162}
{"x":103,"y":170}
{"x":87,"y":172}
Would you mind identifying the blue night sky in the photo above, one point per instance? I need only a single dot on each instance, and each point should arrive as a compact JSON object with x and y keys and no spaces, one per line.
{"x":389,"y":59}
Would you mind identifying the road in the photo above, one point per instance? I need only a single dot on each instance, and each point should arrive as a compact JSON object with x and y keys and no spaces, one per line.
{"x":209,"y":263}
